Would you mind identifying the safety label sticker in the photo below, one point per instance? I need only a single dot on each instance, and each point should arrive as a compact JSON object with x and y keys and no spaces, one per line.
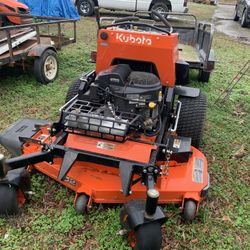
{"x":104,"y":145}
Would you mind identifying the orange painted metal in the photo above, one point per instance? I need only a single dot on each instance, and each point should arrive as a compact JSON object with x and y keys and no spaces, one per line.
{"x":103,"y":183}
{"x":133,"y":151}
{"x":157,"y":48}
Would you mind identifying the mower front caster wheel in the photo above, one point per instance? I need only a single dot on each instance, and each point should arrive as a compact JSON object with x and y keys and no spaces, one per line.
{"x":147,"y":237}
{"x":189,"y":211}
{"x":8,"y":200}
{"x":81,"y":204}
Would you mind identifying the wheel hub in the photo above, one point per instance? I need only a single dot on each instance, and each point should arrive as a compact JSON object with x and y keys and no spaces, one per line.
{"x":85,"y":7}
{"x":50,"y":67}
{"x":160,"y":9}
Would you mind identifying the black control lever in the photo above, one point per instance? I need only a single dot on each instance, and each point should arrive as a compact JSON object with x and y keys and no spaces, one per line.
{"x":158,"y":14}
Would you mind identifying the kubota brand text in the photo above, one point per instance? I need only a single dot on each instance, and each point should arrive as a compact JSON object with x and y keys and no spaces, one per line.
{"x":141,"y":40}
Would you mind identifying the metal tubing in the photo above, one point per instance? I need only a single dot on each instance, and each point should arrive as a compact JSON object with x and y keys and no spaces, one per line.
{"x":31,"y":16}
{"x":59,"y":36}
{"x":38,"y":35}
{"x":74,"y":31}
{"x":151,"y":203}
{"x":14,"y":27}
{"x":29,"y":159}
{"x":10,"y":45}
{"x":178,"y":107}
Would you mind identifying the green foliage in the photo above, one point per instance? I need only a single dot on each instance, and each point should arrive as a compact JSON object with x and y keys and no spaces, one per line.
{"x":67,"y":220}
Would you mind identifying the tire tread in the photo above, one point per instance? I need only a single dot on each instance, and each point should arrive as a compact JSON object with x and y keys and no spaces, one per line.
{"x":73,"y":89}
{"x":192,"y":118}
{"x":148,"y":236}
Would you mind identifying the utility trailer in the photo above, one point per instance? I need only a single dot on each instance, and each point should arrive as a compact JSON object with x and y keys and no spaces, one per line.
{"x":195,"y":41}
{"x":39,"y":41}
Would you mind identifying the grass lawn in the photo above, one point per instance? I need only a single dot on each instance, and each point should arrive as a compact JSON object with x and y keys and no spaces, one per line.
{"x":49,"y":220}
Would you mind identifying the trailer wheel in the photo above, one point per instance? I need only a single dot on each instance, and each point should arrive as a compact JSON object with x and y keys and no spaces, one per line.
{"x":146,"y":237}
{"x":81,"y":204}
{"x":8,"y":200}
{"x":46,"y":67}
{"x":236,"y":17}
{"x":85,"y":7}
{"x":243,"y":22}
{"x":204,"y":76}
{"x":73,"y":89}
{"x":189,"y":211}
{"x":192,"y":118}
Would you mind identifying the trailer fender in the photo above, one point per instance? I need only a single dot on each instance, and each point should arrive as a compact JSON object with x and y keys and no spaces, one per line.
{"x":39,"y":49}
{"x":186,"y":91}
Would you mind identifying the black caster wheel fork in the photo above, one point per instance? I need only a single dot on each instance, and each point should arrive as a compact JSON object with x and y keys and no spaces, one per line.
{"x":142,"y":220}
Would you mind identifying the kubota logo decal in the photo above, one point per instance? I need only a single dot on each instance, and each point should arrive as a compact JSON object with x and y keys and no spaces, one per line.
{"x":141,"y":40}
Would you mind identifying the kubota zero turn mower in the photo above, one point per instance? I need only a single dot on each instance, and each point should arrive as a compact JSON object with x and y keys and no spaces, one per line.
{"x":127,"y":134}
{"x":13,"y":7}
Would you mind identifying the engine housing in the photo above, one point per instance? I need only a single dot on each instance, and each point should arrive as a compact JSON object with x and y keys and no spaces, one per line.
{"x":119,"y":99}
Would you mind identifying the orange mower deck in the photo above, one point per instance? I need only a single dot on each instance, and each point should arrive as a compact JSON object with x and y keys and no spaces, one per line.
{"x":103,"y":183}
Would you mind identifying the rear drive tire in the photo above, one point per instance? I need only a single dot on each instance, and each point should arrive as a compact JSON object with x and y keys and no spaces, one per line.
{"x":192,"y":118}
{"x":81,"y":204}
{"x":189,"y":211}
{"x":8,"y":200}
{"x":148,"y":236}
{"x":236,"y":17}
{"x":46,"y":67}
{"x":73,"y":89}
{"x":243,"y":22}
{"x":159,"y":6}
{"x":204,"y":76}
{"x":86,"y":7}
